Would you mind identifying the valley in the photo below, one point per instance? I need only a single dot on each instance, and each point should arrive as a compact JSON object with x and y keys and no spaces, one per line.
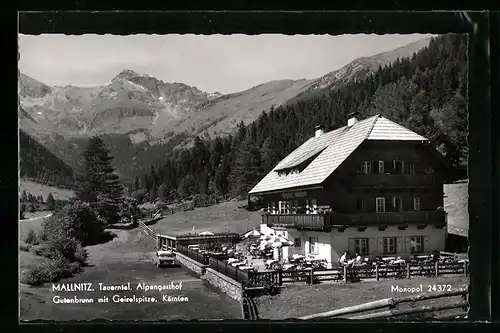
{"x":137,"y":113}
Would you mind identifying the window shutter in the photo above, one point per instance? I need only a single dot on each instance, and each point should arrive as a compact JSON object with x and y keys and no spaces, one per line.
{"x":388,"y":204}
{"x":372,"y":249}
{"x":399,"y":244}
{"x":426,"y":244}
{"x":380,"y":247}
{"x":375,"y":167}
{"x":407,"y":244}
{"x":381,"y":166}
{"x":351,"y":248}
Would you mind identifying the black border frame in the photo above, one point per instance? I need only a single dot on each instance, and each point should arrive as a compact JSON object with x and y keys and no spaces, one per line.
{"x":482,"y":28}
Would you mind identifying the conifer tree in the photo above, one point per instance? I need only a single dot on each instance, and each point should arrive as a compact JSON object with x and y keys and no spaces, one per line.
{"x":50,"y":202}
{"x":98,"y":184}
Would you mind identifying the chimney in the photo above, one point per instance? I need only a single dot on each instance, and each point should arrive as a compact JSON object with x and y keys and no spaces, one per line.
{"x":352,"y":119}
{"x":318,"y":131}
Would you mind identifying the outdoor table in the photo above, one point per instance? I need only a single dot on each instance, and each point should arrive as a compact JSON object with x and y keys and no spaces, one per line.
{"x":246,"y":268}
{"x":236,"y":264}
{"x":231,"y":260}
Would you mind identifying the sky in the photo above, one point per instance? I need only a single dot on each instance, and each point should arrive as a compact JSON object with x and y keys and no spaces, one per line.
{"x":223,"y":63}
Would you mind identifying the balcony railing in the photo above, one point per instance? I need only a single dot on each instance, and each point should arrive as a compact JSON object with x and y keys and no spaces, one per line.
{"x":329,"y":220}
{"x":428,"y":217}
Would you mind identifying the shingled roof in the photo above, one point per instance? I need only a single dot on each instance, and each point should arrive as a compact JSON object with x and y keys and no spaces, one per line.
{"x":332,"y":148}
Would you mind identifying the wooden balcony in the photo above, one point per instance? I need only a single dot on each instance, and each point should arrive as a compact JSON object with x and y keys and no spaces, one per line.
{"x":395,"y":180}
{"x":326,"y":221}
{"x":408,"y":217}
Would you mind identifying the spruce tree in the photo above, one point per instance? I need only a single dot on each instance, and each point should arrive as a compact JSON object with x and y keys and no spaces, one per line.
{"x":50,"y":202}
{"x":98,"y":184}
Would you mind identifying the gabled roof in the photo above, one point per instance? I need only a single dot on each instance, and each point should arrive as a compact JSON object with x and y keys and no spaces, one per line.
{"x":333,"y":147}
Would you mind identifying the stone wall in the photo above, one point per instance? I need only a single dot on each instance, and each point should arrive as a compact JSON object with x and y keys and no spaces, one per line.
{"x":190,"y":264}
{"x":229,"y":286}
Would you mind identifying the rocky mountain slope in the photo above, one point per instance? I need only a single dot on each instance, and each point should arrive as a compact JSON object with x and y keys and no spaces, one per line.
{"x":360,"y":68}
{"x":137,"y":111}
{"x":39,"y":164}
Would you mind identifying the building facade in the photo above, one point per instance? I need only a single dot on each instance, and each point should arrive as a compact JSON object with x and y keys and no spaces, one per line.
{"x":372,"y":187}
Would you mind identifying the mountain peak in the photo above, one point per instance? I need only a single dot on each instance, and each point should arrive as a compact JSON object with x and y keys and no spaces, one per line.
{"x":126,"y":74}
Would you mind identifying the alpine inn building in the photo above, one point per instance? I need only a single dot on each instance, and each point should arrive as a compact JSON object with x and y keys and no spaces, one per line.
{"x":372,"y":187}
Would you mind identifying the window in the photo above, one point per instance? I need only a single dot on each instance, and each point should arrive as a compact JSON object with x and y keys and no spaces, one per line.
{"x":366,"y":167}
{"x":297,"y":242}
{"x":310,"y":204}
{"x":380,"y":205}
{"x":389,"y":245}
{"x":417,"y":244}
{"x":361,"y":205}
{"x":381,"y":167}
{"x":282,"y":207}
{"x":416,"y":203}
{"x":397,"y":202}
{"x":313,"y":245}
{"x":398,"y":167}
{"x":361,"y":246}
{"x":410,"y":168}
{"x":272,"y":207}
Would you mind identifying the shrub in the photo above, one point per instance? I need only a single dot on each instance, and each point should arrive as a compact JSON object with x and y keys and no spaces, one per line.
{"x":62,"y":245}
{"x":35,"y":277}
{"x":57,"y":269}
{"x":25,"y":247}
{"x":75,"y":267}
{"x":77,"y":220}
{"x":60,"y":204}
{"x":81,"y":255}
{"x":41,"y":236}
{"x":40,"y":250}
{"x":161,"y":205}
{"x":31,"y":238}
{"x":129,"y":207}
{"x":200,"y":200}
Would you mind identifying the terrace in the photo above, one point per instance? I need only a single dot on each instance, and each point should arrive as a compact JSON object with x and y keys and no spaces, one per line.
{"x":329,"y":220}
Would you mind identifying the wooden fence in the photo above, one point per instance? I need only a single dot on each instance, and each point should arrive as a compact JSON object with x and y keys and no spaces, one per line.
{"x":388,"y":307}
{"x":224,"y":268}
{"x":202,"y":258}
{"x":345,"y":274}
{"x":146,"y":230}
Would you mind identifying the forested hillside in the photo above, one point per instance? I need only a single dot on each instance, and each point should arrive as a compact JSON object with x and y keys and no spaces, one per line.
{"x":426,"y":93}
{"x":38,"y":164}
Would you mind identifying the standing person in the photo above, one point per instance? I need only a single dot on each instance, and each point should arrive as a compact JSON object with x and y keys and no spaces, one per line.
{"x":358,"y":259}
{"x":343,"y":258}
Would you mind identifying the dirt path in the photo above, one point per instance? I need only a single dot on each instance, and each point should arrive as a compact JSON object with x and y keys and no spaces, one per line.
{"x":36,"y":218}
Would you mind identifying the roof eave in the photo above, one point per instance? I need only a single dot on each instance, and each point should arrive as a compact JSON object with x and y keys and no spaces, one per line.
{"x":287,"y":189}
